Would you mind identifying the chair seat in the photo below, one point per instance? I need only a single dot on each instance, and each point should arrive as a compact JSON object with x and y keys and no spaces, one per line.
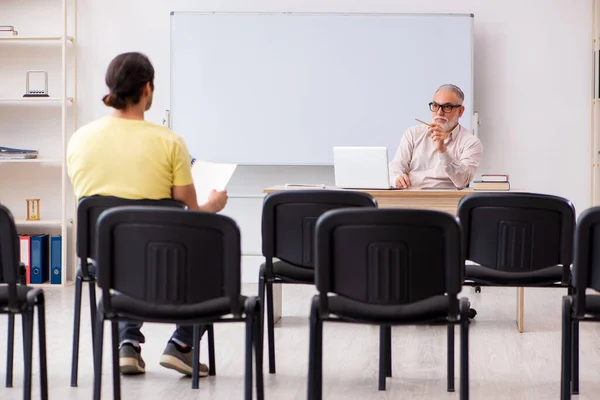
{"x":490,"y":276}
{"x":128,"y":307}
{"x":293,"y":273}
{"x":426,"y":310}
{"x":21,"y":294}
{"x":592,"y":305}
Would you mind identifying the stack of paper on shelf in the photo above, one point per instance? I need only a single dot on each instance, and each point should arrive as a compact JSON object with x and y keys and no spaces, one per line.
{"x":9,"y":153}
{"x":492,"y":182}
{"x":8,"y":30}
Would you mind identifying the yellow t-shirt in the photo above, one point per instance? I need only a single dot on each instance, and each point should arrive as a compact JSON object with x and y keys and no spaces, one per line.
{"x":126,"y":158}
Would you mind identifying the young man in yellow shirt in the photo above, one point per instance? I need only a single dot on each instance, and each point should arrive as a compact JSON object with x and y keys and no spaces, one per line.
{"x":125,"y":156}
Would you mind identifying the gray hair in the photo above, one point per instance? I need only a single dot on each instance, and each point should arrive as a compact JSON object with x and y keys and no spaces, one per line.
{"x":454,"y":89}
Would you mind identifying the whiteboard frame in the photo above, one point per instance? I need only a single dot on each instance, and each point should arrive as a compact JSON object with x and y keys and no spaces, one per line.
{"x":470,"y":104}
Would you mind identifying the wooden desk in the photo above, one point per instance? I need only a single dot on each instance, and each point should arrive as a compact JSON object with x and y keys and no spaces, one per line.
{"x":441,"y":200}
{"x":428,"y":199}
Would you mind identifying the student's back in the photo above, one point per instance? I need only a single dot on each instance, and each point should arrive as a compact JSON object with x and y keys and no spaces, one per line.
{"x":127,"y":158}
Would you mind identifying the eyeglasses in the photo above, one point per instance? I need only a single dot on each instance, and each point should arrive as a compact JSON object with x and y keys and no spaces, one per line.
{"x":446,"y":108}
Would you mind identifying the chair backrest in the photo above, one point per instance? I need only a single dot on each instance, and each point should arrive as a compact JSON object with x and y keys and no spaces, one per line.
{"x":586,"y":263}
{"x":517,"y":232}
{"x":9,"y":256}
{"x":168,"y":256}
{"x":90,"y":208}
{"x":388,"y":256}
{"x":289,"y":218}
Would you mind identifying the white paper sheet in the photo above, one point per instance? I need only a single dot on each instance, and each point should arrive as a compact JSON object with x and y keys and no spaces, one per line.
{"x":208,"y":176}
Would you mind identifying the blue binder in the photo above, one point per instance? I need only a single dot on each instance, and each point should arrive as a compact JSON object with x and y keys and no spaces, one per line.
{"x":56,"y":260}
{"x":40,"y":269}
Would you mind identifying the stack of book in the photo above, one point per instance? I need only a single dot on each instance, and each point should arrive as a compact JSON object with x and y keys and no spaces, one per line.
{"x":8,"y":30}
{"x":492,"y":182}
{"x":9,"y":153}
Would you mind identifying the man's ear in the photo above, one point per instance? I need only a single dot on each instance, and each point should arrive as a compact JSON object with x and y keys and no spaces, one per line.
{"x":147,"y":89}
{"x":461,"y":110}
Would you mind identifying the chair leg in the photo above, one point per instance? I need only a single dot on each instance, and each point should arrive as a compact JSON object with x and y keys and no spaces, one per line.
{"x":464,"y":356}
{"x":382,"y":357}
{"x":567,"y":329}
{"x":76,"y":323}
{"x":98,"y":356}
{"x":261,"y":296}
{"x":27,"y":317}
{"x":250,"y":321}
{"x":258,"y":352}
{"x":315,"y":353}
{"x":450,"y":357}
{"x":270,"y":327}
{"x":92,"y":289}
{"x":196,"y":356}
{"x":575,"y":358}
{"x":212,"y":368}
{"x":115,"y":360}
{"x":42,"y":343}
{"x":10,"y":350}
{"x":388,"y":360}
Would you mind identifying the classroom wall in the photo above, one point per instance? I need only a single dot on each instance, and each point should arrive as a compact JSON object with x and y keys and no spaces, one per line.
{"x":533,"y":83}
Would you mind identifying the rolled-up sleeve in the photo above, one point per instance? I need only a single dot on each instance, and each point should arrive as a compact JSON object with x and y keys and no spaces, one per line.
{"x":462,"y":170}
{"x":401,"y":162}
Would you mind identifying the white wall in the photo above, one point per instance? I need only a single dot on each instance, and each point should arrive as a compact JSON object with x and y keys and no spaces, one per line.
{"x":533,"y":85}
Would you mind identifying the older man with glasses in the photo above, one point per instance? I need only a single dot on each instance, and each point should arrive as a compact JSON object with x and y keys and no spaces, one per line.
{"x":441,"y":154}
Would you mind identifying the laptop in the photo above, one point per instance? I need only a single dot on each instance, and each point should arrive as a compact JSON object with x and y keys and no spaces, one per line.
{"x":358,"y":167}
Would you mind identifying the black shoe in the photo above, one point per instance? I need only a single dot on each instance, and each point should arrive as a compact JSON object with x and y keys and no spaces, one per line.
{"x":130,"y":360}
{"x":472,"y":313}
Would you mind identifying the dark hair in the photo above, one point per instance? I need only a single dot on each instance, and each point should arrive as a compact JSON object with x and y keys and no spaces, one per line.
{"x":126,"y":76}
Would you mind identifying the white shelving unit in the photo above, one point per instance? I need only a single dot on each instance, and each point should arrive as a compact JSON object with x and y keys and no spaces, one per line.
{"x":20,"y":38}
{"x":595,"y":95}
{"x":46,"y":41}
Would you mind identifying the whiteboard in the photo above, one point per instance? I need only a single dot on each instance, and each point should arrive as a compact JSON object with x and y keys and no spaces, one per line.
{"x":285,"y":88}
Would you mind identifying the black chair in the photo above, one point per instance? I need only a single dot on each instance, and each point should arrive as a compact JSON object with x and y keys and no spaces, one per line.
{"x":88,"y":211}
{"x":158,"y":264}
{"x":288,"y":222}
{"x":388,"y":267}
{"x":16,"y":298}
{"x":517,"y":239}
{"x":580,"y":306}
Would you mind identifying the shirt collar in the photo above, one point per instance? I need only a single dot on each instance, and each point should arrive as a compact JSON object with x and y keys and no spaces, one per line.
{"x":452,"y":134}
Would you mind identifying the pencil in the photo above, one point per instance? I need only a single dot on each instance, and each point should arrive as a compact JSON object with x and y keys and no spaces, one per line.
{"x":429,"y":125}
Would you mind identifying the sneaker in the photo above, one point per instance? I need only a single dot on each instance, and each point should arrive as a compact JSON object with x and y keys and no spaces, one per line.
{"x":130,"y":360}
{"x":181,"y":361}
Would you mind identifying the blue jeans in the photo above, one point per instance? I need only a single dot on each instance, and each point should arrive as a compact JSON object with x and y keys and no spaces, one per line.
{"x":183,"y":333}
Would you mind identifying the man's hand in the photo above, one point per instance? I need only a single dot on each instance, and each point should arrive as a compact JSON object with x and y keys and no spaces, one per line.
{"x":217,"y":200}
{"x":402,"y":181}
{"x":439,"y":136}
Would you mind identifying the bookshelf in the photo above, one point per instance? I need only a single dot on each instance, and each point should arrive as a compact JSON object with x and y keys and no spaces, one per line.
{"x":34,"y":100}
{"x":19,"y":38}
{"x":47,"y":41}
{"x":595,"y":92}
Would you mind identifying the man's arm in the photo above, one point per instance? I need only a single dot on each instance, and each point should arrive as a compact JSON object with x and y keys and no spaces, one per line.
{"x":401,"y":162}
{"x":187,"y":195}
{"x":183,"y":189}
{"x":462,"y":170}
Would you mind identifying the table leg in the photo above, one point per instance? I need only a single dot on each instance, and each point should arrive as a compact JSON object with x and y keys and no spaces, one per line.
{"x":520,"y":308}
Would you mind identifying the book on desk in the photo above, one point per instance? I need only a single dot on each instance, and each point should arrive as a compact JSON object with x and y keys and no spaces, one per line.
{"x":492,"y":182}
